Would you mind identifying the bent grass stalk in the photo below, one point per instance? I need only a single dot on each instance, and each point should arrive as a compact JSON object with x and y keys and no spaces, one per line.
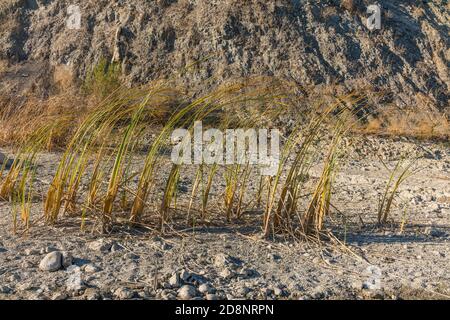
{"x":392,"y":187}
{"x":304,"y":139}
{"x":114,"y":181}
{"x":17,"y":186}
{"x":197,"y":110}
{"x":112,"y":130}
{"x":119,"y":107}
{"x":169,"y":194}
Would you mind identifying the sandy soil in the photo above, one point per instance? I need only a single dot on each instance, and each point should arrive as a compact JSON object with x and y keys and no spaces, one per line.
{"x":232,"y":261}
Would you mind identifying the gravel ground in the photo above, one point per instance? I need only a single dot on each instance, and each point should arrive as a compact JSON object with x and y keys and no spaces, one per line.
{"x":232,"y":261}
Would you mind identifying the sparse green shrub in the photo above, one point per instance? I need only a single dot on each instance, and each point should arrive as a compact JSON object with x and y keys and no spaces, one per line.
{"x":103,"y":79}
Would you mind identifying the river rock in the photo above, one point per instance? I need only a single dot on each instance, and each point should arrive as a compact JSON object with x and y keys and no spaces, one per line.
{"x":51,"y":262}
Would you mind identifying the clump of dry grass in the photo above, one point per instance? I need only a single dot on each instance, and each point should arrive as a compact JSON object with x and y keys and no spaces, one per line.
{"x":97,"y":178}
{"x":20,"y":119}
{"x":20,"y":116}
{"x":16,"y":184}
{"x":63,"y":78}
{"x":304,"y":142}
{"x":398,"y":175}
{"x":417,"y":124}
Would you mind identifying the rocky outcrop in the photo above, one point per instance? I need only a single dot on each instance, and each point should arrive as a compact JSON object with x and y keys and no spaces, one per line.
{"x":5,"y":162}
{"x":311,"y":42}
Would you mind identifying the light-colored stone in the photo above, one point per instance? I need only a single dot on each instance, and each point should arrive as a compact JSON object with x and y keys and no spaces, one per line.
{"x":278,"y":291}
{"x":25,"y":286}
{"x":206,"y":288}
{"x":14,"y":277}
{"x":184,"y":275}
{"x":226,"y":273}
{"x":51,"y":262}
{"x":100,"y":245}
{"x":187,"y":292}
{"x":49,"y":249}
{"x":91,"y":294}
{"x":91,"y":268}
{"x":124,"y":293}
{"x":74,"y":282}
{"x":31,"y":252}
{"x":175,"y":280}
{"x":59,"y":296}
{"x":221,"y":260}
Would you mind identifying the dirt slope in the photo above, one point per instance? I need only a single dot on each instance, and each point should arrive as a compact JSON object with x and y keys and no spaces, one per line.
{"x":313,"y":42}
{"x":394,"y":262}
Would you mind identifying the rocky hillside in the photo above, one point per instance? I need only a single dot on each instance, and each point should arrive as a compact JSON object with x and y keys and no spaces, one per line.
{"x":312,"y":42}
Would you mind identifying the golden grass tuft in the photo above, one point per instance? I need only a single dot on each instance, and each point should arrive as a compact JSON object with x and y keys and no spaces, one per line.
{"x":63,"y":77}
{"x":398,"y":175}
{"x":19,"y":120}
{"x":97,"y":176}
